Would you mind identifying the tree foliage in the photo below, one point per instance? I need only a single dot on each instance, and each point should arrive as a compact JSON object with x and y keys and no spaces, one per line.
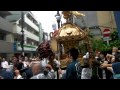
{"x":102,"y":45}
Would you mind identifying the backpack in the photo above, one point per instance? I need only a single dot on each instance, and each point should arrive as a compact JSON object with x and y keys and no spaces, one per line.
{"x":78,"y":70}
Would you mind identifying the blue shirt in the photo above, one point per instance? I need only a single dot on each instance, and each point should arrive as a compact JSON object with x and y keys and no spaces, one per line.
{"x":116,"y":67}
{"x":6,"y":75}
{"x":71,"y":71}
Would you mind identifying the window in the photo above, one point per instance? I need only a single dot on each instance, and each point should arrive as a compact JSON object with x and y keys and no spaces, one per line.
{"x":28,"y":16}
{"x":15,"y":39}
{"x":36,"y":43}
{"x":29,"y":28}
{"x":36,"y":33}
{"x":32,"y":19}
{"x":32,"y":42}
{"x":2,"y":36}
{"x":95,"y":32}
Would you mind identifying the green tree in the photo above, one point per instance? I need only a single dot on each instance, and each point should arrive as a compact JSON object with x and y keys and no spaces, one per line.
{"x":102,"y":46}
{"x":115,"y":42}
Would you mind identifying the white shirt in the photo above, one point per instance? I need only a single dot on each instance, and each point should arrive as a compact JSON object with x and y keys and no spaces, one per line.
{"x":41,"y":76}
{"x":57,"y":62}
{"x":44,"y":62}
{"x":25,"y":64}
{"x":63,"y":72}
{"x":87,"y":55}
{"x":19,"y":77}
{"x":10,"y":68}
{"x":86,"y":73}
{"x":4,"y":64}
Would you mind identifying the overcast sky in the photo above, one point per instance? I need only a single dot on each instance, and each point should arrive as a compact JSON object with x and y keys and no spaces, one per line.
{"x":47,"y":18}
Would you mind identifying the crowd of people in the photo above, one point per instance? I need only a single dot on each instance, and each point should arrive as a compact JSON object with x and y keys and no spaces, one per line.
{"x":89,"y":66}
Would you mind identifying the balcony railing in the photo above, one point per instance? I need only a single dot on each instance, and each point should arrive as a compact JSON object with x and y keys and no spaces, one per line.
{"x":32,"y":24}
{"x":28,"y":34}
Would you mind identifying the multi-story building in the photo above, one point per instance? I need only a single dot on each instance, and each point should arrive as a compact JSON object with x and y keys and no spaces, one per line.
{"x":45,"y":36}
{"x":117,"y":19}
{"x":96,"y":21}
{"x":41,"y":30}
{"x":32,"y":32}
{"x":6,"y":45}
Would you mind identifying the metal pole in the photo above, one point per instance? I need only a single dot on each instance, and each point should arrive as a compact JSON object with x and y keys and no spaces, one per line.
{"x":22,"y":26}
{"x":61,"y":23}
{"x":58,"y":24}
{"x":58,"y":21}
{"x":107,"y":42}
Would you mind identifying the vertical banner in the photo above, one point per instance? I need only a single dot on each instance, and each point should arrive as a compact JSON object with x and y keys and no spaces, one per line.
{"x":117,"y":19}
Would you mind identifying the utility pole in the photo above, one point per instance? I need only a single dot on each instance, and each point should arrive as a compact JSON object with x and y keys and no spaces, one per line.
{"x":22,"y":26}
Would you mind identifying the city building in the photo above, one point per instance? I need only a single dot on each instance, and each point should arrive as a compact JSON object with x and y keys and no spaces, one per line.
{"x":6,"y":29}
{"x":45,"y":36}
{"x":32,"y":32}
{"x":41,"y":30}
{"x":117,"y":19}
{"x":96,"y":21}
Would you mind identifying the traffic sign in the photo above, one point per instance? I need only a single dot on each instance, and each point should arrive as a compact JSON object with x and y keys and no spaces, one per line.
{"x":106,"y":33}
{"x":106,"y":38}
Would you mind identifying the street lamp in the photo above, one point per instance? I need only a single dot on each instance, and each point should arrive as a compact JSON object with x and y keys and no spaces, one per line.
{"x":22,"y":26}
{"x":58,"y":17}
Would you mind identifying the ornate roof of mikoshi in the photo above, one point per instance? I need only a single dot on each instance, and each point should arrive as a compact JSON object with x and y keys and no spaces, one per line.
{"x":69,"y":31}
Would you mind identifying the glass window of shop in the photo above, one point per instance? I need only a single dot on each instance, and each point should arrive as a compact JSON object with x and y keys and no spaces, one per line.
{"x":2,"y":36}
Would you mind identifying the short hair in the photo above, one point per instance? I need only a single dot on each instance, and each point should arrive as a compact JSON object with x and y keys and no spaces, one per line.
{"x":34,"y":63}
{"x":39,"y":64}
{"x":51,"y":54}
{"x":74,"y":53}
